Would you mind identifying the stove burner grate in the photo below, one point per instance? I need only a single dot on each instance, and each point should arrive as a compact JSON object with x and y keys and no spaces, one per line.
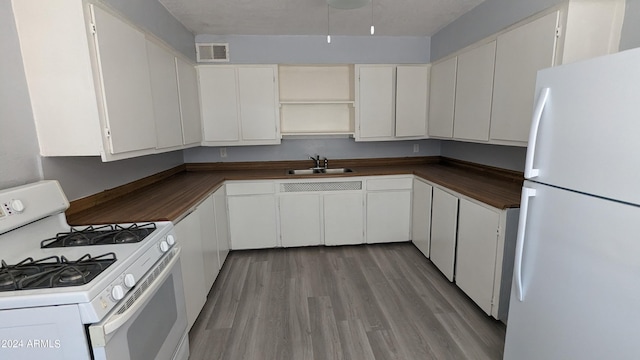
{"x":52,"y":272}
{"x":100,"y":235}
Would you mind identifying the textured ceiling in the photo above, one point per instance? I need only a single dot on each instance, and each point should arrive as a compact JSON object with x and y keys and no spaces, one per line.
{"x":309,"y":17}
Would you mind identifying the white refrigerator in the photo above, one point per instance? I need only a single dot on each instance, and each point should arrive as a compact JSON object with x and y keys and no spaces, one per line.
{"x":576,"y":286}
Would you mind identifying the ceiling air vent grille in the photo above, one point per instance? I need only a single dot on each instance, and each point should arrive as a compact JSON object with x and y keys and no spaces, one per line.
{"x":211,"y":52}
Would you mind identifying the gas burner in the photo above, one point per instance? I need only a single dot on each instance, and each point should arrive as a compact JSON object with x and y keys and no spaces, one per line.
{"x":72,"y":275}
{"x":52,"y":272}
{"x":100,"y":235}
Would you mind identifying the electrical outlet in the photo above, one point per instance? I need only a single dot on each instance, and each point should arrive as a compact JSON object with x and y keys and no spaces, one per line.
{"x":416,"y":148}
{"x":223,"y":152}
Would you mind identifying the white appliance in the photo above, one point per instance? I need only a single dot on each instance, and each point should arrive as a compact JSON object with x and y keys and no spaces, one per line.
{"x":103,"y":292}
{"x":576,"y":289}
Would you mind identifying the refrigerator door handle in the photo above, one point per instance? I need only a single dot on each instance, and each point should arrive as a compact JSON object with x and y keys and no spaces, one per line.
{"x":529,"y":171}
{"x":524,"y":207}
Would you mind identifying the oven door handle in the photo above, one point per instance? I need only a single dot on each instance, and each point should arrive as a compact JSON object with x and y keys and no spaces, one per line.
{"x":100,"y":332}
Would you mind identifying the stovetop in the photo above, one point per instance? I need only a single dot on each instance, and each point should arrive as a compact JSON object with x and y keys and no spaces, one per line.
{"x":52,"y":272}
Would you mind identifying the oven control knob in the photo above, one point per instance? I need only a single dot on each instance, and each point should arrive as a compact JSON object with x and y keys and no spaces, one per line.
{"x":171,"y":240}
{"x":17,"y":205}
{"x":164,"y":247}
{"x":129,"y":281}
{"x":117,"y":293}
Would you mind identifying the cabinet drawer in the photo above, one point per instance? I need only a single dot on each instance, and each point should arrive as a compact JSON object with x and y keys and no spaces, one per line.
{"x":250,"y":188}
{"x":390,"y":184}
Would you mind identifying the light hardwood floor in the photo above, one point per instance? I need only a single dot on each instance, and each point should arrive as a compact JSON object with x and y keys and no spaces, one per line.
{"x":383,"y":301}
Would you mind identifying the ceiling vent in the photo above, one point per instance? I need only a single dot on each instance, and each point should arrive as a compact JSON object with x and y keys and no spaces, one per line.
{"x":212,"y":52}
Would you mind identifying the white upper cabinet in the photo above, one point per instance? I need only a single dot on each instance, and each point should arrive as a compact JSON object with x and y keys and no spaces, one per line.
{"x":95,"y":87}
{"x":577,"y":30}
{"x":239,"y":105}
{"x":520,"y":53}
{"x":376,"y":92}
{"x":474,"y":87}
{"x":412,"y":98}
{"x":442,"y":95}
{"x":189,"y":103}
{"x":258,"y":103}
{"x":391,"y":102}
{"x":485,"y":92}
{"x":219,"y":103}
{"x":164,"y":89}
{"x":125,"y":83}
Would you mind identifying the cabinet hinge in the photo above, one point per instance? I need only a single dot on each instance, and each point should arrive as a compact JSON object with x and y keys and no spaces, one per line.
{"x":92,"y":27}
{"x":558,"y":31}
{"x":107,"y":132}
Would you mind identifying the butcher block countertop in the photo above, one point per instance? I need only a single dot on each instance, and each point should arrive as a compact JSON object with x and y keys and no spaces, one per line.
{"x":171,"y":194}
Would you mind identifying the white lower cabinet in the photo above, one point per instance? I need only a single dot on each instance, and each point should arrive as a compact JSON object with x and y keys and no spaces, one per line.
{"x":188,"y":232}
{"x":389,"y":209}
{"x":222,"y":223}
{"x":343,"y":218}
{"x":209,"y":238}
{"x":475,"y":238}
{"x":421,"y":216}
{"x":321,"y":212}
{"x":476,"y":253}
{"x":252,"y":215}
{"x":444,"y":223}
{"x":300,"y":220}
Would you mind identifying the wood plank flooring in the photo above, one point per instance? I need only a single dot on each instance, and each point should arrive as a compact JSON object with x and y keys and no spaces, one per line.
{"x":384,"y":301}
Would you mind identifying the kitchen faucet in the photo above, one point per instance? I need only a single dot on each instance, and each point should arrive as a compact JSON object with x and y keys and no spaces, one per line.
{"x":317,"y":160}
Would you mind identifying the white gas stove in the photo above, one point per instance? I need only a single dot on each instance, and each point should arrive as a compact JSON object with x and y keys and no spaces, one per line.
{"x":75,"y":293}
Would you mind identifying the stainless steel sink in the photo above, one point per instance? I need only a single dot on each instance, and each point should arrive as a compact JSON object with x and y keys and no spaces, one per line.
{"x":319,"y":171}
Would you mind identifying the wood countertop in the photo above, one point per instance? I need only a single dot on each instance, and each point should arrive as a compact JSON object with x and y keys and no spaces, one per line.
{"x":170,"y":195}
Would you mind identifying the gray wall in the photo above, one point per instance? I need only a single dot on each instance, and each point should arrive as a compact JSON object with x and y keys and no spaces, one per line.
{"x":153,"y":17}
{"x":248,"y":49}
{"x":508,"y":157}
{"x":83,"y":176}
{"x":296,"y":149}
{"x":19,"y":160}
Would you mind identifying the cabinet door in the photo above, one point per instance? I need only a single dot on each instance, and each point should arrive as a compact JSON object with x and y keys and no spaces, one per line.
{"x":258,"y":108}
{"x":219,"y":103}
{"x":126,"y":86}
{"x":252,"y":221}
{"x":444,"y":223}
{"x":421,"y":216}
{"x":520,"y":54}
{"x":189,"y":102}
{"x":476,"y":252}
{"x":164,"y":89}
{"x":388,"y":216}
{"x":442,"y":95}
{"x":376,"y":101}
{"x":222,"y":224}
{"x":300,"y":220}
{"x":343,"y":219}
{"x":209,"y":242}
{"x":474,"y":88}
{"x":412,"y":84}
{"x":188,"y":233}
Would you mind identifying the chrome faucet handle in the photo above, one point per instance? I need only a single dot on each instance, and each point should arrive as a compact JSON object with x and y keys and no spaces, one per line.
{"x":326,"y":163}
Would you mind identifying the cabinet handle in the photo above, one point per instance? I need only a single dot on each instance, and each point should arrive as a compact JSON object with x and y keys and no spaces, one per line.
{"x":529,"y":171}
{"x":524,"y":207}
